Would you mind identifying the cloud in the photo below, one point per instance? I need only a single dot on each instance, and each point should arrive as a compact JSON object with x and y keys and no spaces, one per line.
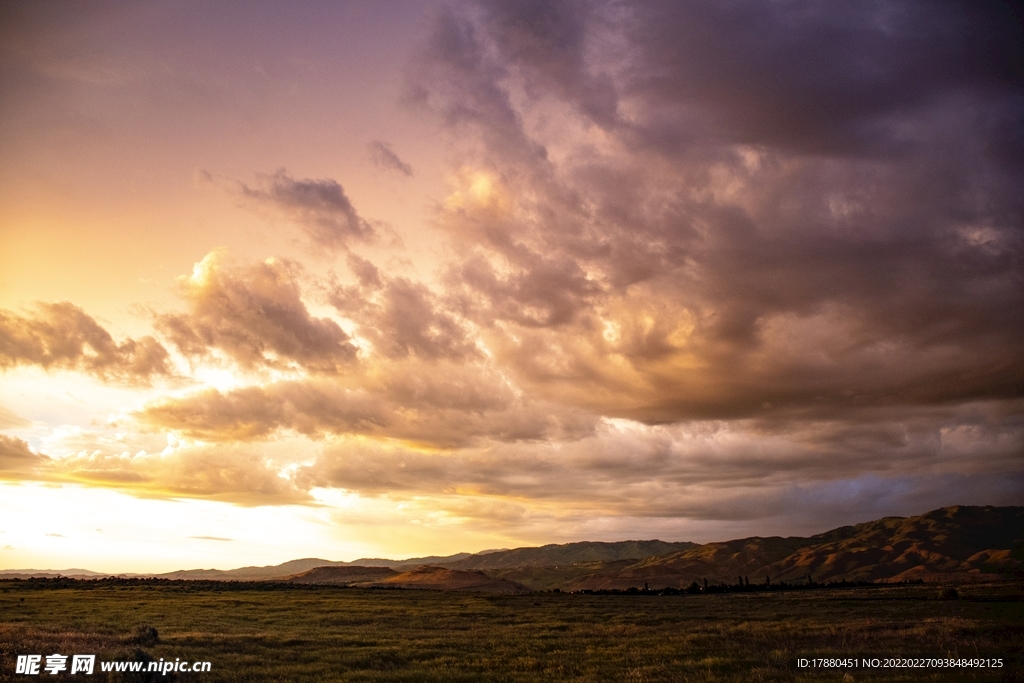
{"x":257,"y":412}
{"x":319,"y":206}
{"x":17,"y":461}
{"x":254,"y":315}
{"x":385,"y":157}
{"x":454,"y":76}
{"x":702,"y":480}
{"x":226,"y":473}
{"x":550,"y":41}
{"x":846,"y":78}
{"x":718,"y":472}
{"x":811,"y":218}
{"x":236,"y":473}
{"x":401,"y":317}
{"x":688,"y":470}
{"x":442,"y":405}
{"x":62,"y":336}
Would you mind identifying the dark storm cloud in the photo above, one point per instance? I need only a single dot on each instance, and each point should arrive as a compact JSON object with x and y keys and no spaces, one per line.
{"x":839,"y":77}
{"x":842,"y":77}
{"x":793,"y":205}
{"x":256,"y":317}
{"x":63,"y":336}
{"x":550,"y":40}
{"x":456,"y":77}
{"x":386,"y":158}
{"x":319,"y":206}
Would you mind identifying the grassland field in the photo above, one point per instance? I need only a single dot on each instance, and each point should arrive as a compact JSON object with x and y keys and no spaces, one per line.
{"x":321,"y":633}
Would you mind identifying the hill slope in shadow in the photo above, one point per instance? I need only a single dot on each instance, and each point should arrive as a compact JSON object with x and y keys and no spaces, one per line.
{"x":954,"y":543}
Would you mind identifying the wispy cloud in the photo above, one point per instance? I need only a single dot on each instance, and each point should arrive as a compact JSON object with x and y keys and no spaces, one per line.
{"x":385,"y":157}
{"x":319,"y":207}
{"x":11,"y":420}
{"x":240,"y":474}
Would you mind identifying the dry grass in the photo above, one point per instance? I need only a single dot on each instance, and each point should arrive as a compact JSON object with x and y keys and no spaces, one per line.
{"x":335,"y":634}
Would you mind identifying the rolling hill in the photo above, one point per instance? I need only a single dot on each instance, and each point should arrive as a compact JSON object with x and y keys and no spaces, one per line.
{"x":423,"y":577}
{"x":346,"y":575}
{"x":954,"y":543}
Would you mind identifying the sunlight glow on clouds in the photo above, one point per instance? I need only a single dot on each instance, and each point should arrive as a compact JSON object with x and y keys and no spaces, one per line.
{"x":588,"y":270}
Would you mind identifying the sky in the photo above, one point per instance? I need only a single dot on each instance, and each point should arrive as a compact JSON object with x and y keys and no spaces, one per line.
{"x":342,"y":280}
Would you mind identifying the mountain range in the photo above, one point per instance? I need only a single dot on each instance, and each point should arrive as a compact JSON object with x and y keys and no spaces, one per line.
{"x":959,"y":543}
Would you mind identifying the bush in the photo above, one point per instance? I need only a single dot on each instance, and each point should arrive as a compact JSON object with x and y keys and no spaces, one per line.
{"x":948,"y":594}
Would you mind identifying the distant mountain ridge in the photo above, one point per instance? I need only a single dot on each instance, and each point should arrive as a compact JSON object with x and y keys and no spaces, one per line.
{"x":954,"y":543}
{"x":65,"y":573}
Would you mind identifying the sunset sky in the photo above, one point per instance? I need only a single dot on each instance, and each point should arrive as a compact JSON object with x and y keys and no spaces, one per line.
{"x":338,"y":280}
